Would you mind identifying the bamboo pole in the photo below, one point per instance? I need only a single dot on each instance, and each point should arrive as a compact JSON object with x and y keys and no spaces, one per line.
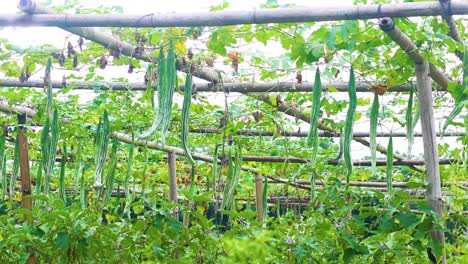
{"x":291,"y":159}
{"x":289,"y":87}
{"x":259,"y":197}
{"x":302,"y":184}
{"x":111,"y":42}
{"x":405,"y":43}
{"x":364,"y":183}
{"x":362,"y":163}
{"x":252,"y":132}
{"x":24,"y":165}
{"x":434,"y":192}
{"x":228,"y":17}
{"x":26,"y":201}
{"x":453,"y":29}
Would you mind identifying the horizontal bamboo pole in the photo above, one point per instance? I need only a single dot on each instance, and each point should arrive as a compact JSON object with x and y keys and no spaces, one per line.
{"x":290,"y":87}
{"x":271,"y":159}
{"x":228,"y":17}
{"x":325,"y":134}
{"x":252,"y":132}
{"x":367,"y":183}
{"x":363,"y":163}
{"x":300,"y":183}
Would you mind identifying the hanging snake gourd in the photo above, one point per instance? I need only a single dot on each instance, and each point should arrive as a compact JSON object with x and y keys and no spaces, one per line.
{"x":349,"y":125}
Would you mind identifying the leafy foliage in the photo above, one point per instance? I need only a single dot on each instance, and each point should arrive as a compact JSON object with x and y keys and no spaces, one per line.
{"x":126,"y":218}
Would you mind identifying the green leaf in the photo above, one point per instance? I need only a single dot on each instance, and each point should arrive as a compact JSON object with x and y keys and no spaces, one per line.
{"x":62,"y":241}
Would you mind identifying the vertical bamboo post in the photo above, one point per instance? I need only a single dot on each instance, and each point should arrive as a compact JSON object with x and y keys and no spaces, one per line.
{"x":431,"y":157}
{"x":171,"y":160}
{"x":24,"y":164}
{"x":259,"y":197}
{"x":26,"y":201}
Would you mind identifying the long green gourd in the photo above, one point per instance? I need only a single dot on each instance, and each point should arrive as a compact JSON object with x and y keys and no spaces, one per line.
{"x":102,"y":142}
{"x":49,"y":141}
{"x":39,"y":178}
{"x":389,"y":171}
{"x":463,"y":96}
{"x":312,"y":138}
{"x":227,"y":184}
{"x":172,"y":83}
{"x":110,"y":177}
{"x":3,"y":165}
{"x":14,"y":174}
{"x":349,"y":125}
{"x":143,"y":171}
{"x":167,"y":78}
{"x":150,"y":85}
{"x":214,"y":172}
{"x":162,"y":87}
{"x":78,"y":164}
{"x":265,"y":197}
{"x":373,"y":132}
{"x":232,"y":178}
{"x":185,"y":115}
{"x":128,"y":199}
{"x":409,"y":120}
{"x":63,"y":162}
{"x":83,"y":189}
{"x":4,"y":179}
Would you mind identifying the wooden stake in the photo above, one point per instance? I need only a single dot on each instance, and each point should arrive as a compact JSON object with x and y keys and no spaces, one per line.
{"x":26,"y":201}
{"x":24,"y":164}
{"x":259,"y":197}
{"x":431,"y":157}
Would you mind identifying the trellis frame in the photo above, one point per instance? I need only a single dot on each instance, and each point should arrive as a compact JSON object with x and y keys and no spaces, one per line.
{"x":266,"y":16}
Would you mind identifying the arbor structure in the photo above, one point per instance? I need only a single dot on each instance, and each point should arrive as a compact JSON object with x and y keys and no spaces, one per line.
{"x":235,"y":150}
